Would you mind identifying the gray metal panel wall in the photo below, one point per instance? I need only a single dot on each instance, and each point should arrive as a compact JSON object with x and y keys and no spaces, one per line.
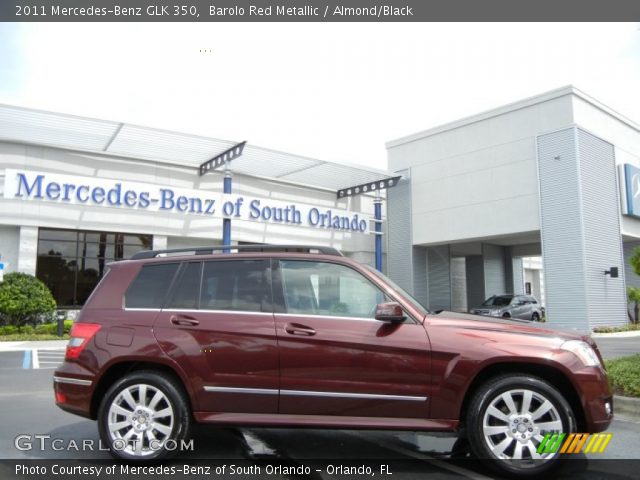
{"x":439,"y":277}
{"x":494,"y":271}
{"x":420,"y":284}
{"x":561,"y":230}
{"x":517,"y":273}
{"x":399,"y":238}
{"x":458,"y":285}
{"x":475,"y":280}
{"x":606,"y":296}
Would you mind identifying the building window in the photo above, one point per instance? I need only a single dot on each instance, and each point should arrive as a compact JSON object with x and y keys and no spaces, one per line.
{"x":71,"y":262}
{"x":527,"y":288}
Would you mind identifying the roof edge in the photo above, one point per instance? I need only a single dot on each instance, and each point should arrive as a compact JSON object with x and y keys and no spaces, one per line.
{"x":510,"y":107}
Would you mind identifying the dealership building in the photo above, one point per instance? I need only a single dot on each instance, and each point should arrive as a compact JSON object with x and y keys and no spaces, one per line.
{"x":77,"y":193}
{"x":556,"y":176}
{"x":542,"y":195}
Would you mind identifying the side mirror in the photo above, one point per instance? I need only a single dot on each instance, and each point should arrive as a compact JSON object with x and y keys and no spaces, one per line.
{"x":390,"y":312}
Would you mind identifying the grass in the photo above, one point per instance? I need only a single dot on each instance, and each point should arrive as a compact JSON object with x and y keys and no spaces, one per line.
{"x":27,"y":337}
{"x":629,"y":327}
{"x":624,"y":375}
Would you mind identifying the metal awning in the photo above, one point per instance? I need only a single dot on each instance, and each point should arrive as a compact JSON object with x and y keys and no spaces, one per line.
{"x":23,"y":125}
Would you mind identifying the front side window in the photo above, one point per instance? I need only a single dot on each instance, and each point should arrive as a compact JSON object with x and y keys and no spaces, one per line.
{"x":150,"y":287}
{"x":238,"y":285}
{"x":328,"y":289}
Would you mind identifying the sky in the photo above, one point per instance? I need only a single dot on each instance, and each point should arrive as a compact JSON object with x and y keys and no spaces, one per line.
{"x":330,"y":91}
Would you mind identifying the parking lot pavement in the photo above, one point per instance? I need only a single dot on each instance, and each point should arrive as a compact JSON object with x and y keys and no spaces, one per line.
{"x":27,"y":408}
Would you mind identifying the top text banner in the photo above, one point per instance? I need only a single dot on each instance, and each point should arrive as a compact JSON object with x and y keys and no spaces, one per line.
{"x":317,"y":11}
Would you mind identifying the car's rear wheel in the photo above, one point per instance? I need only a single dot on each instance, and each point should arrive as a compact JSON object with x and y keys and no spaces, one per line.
{"x":506,"y":315}
{"x":508,"y":418}
{"x":144,"y":416}
{"x":535,"y":317}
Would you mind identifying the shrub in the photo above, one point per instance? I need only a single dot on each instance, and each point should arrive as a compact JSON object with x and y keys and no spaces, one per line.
{"x":624,"y":375}
{"x":8,"y":330}
{"x":23,"y":298}
{"x":47,"y":329}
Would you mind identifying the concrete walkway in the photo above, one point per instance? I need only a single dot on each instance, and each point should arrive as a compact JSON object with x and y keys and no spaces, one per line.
{"x":29,"y":345}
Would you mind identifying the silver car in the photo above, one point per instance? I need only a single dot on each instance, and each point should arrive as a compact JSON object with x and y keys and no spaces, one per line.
{"x":524,"y":307}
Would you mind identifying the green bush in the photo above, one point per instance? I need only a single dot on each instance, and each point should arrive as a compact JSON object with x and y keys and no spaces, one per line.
{"x":27,"y":329}
{"x":8,"y":330}
{"x":47,"y":329}
{"x":624,"y":375}
{"x":623,"y":328}
{"x":23,"y":298}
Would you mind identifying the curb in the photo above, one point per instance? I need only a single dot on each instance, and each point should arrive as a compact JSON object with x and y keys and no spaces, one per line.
{"x":626,"y":406}
{"x":630,"y":334}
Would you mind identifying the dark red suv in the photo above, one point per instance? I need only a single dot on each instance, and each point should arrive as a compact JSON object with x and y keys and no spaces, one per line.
{"x":302,"y":336}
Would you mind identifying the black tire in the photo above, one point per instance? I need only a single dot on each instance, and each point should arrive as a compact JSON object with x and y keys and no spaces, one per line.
{"x":162,"y":433}
{"x":499,"y":450}
{"x":535,"y":317}
{"x":506,"y":315}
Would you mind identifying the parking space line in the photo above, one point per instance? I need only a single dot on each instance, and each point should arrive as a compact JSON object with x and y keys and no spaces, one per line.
{"x":26,"y":360}
{"x":34,"y":358}
{"x":434,"y":461}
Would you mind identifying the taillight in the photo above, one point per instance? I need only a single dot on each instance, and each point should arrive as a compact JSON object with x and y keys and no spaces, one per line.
{"x":80,"y":335}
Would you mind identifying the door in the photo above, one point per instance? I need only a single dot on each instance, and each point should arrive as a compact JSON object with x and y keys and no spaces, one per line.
{"x":520,"y":309}
{"x":218,"y":325}
{"x":335,"y":358}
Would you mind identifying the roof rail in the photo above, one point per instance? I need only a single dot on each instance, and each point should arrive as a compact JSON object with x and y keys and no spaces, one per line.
{"x":240,"y":248}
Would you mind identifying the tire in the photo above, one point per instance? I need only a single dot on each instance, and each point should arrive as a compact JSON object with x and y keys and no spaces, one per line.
{"x":506,"y":315}
{"x":161,"y":419}
{"x":492,"y":418}
{"x":535,"y":317}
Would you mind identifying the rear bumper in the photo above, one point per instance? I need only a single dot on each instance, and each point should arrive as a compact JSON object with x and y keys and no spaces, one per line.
{"x":73,"y":389}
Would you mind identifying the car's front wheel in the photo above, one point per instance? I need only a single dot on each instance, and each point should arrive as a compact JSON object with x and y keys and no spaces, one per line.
{"x":508,"y":418}
{"x":144,"y":416}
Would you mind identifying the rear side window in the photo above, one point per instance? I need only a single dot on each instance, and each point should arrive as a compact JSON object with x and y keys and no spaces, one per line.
{"x":187,"y":289}
{"x":150,"y":287}
{"x":240,"y":285}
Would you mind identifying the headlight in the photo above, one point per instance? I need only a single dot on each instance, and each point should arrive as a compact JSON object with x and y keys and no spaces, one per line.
{"x":583,"y":351}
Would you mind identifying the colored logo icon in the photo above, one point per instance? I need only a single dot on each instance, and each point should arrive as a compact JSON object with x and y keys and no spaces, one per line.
{"x":574,"y":443}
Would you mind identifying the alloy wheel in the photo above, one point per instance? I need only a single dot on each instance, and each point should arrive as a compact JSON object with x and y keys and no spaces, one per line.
{"x":515,"y":423}
{"x":140,"y":420}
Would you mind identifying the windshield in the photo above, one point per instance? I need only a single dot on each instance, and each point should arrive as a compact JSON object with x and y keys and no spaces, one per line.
{"x":423,"y":310}
{"x":498,"y":301}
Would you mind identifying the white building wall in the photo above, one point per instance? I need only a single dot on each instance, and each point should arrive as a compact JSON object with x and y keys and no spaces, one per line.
{"x":478,"y":179}
{"x":9,"y":247}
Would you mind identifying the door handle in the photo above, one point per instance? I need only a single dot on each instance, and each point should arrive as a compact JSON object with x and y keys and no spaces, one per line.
{"x":297,"y":329}
{"x":183,"y":320}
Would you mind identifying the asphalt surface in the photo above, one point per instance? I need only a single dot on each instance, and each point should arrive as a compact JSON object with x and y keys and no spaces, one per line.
{"x":27,"y":408}
{"x":613,"y":347}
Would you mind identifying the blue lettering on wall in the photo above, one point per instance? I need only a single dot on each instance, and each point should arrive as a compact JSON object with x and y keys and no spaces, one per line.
{"x":167,"y":199}
{"x":37,"y":183}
